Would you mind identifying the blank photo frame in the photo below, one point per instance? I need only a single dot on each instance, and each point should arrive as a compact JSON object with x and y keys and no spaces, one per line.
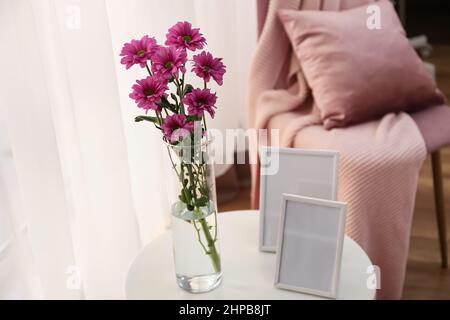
{"x":310,"y":242}
{"x":310,"y":173}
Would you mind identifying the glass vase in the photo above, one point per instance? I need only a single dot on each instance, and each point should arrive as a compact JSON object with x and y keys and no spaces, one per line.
{"x":193,"y":208}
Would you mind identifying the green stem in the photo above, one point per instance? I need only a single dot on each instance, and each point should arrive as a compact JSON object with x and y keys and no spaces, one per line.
{"x":215,"y":226}
{"x":199,"y":237}
{"x":159,"y":117}
{"x":215,"y":257}
{"x":192,"y":182}
{"x":174,"y":166}
{"x":204,"y":123}
{"x":148,"y":70}
{"x":189,"y":192}
{"x":180,"y":89}
{"x":182,"y":174}
{"x":182,"y":84}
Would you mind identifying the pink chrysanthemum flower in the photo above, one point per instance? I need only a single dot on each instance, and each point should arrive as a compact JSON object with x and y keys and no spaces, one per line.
{"x":176,"y":127}
{"x":199,"y":101}
{"x":138,"y":52}
{"x":148,"y":92}
{"x":167,"y":61}
{"x":206,"y":66}
{"x":183,"y":36}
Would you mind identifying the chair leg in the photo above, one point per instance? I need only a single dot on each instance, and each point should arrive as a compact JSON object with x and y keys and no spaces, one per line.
{"x":439,"y":204}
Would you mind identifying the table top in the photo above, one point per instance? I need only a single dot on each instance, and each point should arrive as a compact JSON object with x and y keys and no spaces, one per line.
{"x":247,"y":272}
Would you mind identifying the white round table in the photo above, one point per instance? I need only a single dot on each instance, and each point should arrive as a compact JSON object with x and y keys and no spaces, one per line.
{"x":247,"y":272}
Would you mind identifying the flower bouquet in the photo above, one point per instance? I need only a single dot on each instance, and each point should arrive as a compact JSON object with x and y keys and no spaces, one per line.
{"x":179,"y":111}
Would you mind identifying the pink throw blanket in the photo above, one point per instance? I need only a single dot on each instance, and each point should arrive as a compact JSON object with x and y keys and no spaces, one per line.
{"x":380,"y":160}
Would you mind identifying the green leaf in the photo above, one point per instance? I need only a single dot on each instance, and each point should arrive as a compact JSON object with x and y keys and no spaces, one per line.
{"x":188,"y":88}
{"x":187,"y":195}
{"x":192,"y":118}
{"x":202,"y":201}
{"x":146,"y":118}
{"x":204,"y":190}
{"x":174,"y":97}
{"x":166,"y":104}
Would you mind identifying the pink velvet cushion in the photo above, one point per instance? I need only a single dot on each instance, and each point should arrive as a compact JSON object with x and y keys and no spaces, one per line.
{"x":355,"y":73}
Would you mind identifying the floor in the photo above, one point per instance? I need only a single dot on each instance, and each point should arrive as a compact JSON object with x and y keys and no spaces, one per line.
{"x":424,"y":277}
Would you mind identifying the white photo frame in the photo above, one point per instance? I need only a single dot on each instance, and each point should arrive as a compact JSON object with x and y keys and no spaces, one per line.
{"x":310,"y":244}
{"x":310,"y":173}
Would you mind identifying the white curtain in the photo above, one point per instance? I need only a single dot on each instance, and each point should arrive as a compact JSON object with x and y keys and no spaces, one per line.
{"x":81,"y":184}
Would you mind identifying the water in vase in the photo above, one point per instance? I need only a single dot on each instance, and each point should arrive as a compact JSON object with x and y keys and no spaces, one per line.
{"x":196,"y":248}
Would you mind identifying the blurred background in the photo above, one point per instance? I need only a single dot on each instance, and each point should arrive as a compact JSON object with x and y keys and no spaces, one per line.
{"x":424,"y":278}
{"x":81,"y":183}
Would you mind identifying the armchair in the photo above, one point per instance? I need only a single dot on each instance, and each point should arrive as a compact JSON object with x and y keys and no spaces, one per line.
{"x":433,"y":125}
{"x":382,"y":228}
